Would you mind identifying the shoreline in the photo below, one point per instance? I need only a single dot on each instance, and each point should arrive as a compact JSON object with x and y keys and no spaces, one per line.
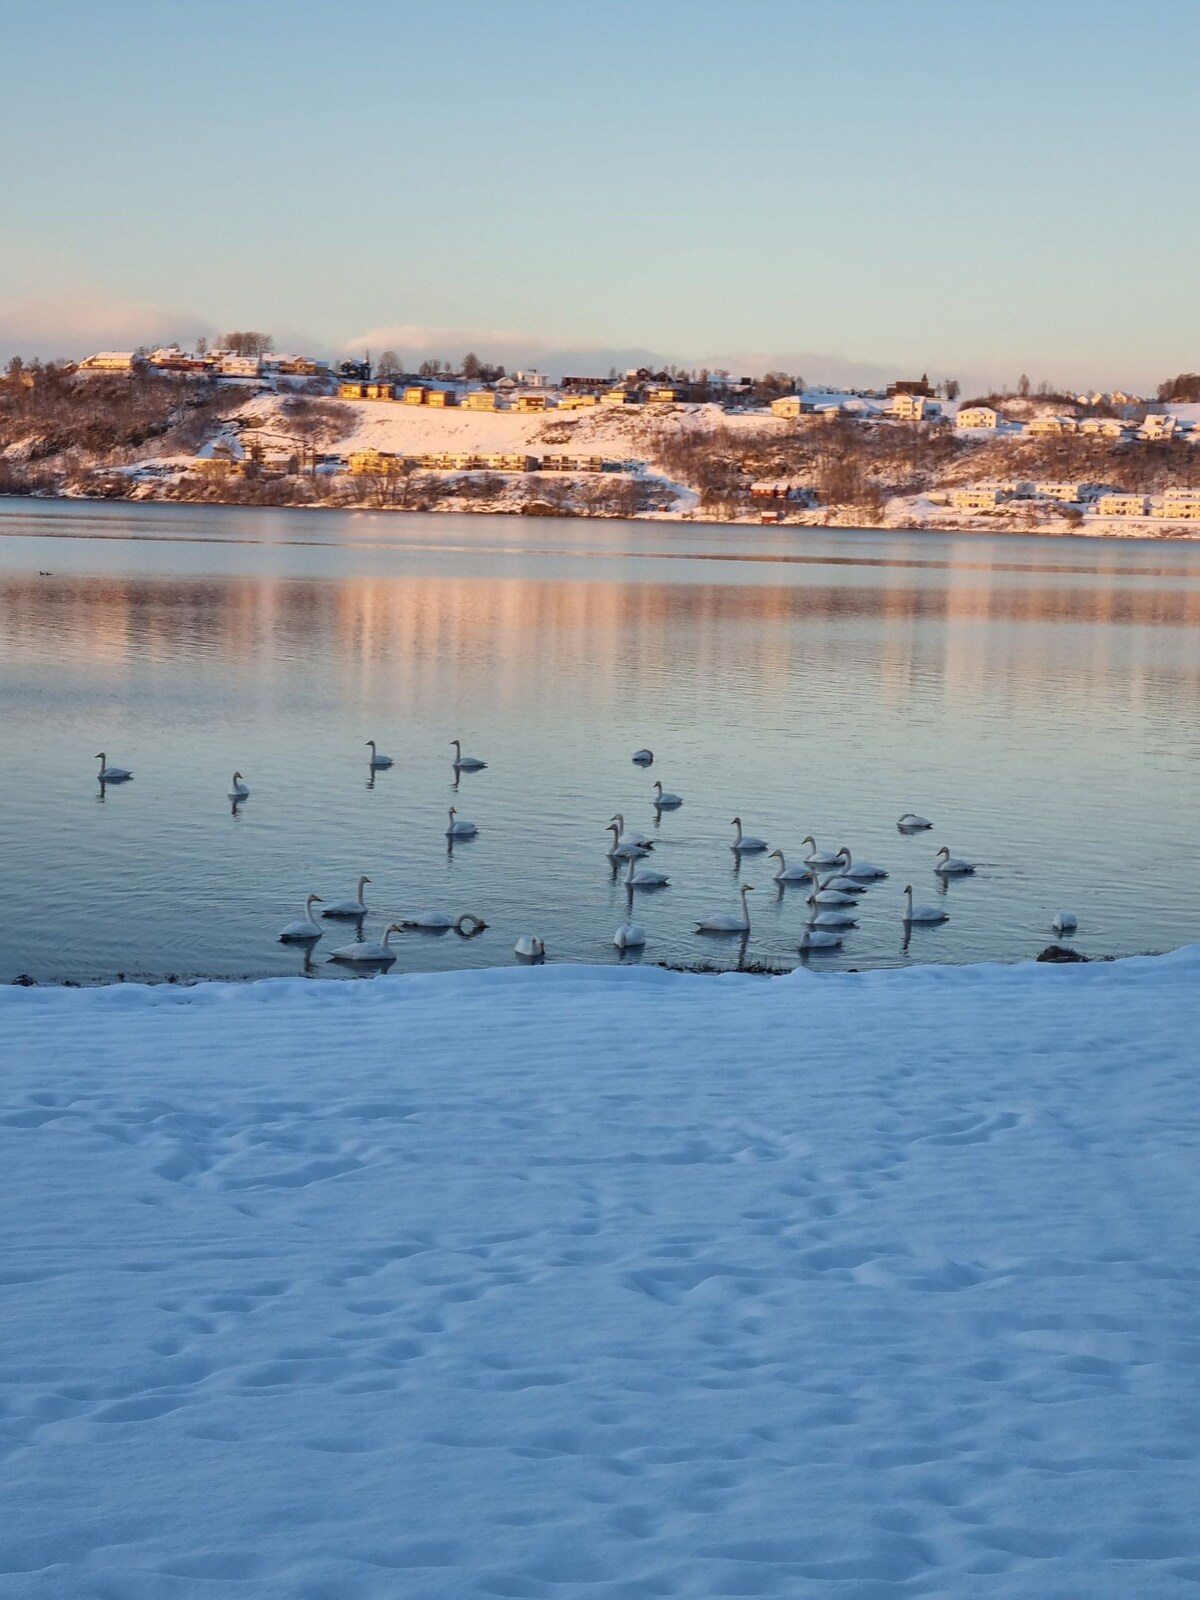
{"x":1146,"y":529}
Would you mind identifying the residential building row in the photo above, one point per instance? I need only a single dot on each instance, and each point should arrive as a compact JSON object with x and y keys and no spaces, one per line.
{"x":1177,"y":504}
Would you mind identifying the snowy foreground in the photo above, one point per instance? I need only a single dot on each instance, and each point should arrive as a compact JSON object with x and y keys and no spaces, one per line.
{"x":611,"y":1283}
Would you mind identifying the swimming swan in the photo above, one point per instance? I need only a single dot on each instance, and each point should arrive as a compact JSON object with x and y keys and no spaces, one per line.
{"x":305,"y":930}
{"x":912,"y":823}
{"x":1065,"y":922}
{"x":376,"y":759}
{"x":625,"y":850}
{"x":369,"y":951}
{"x":788,"y":874}
{"x":820,"y":858}
{"x":865,"y":871}
{"x":664,"y":801}
{"x":468,"y":924}
{"x":349,"y":908}
{"x":459,"y":827}
{"x":631,"y":835}
{"x":831,"y":919}
{"x":914,"y":913}
{"x":951,"y":866}
{"x":111,"y":774}
{"x":629,"y":936}
{"x":464,"y":763}
{"x":645,"y":878}
{"x":240,"y":788}
{"x":728,"y":923}
{"x":643,"y":757}
{"x":745,"y":843}
{"x":823,"y":895}
{"x":820,"y":939}
{"x":530,"y":948}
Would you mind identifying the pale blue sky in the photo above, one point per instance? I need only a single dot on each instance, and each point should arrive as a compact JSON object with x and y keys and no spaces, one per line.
{"x":968,"y":189}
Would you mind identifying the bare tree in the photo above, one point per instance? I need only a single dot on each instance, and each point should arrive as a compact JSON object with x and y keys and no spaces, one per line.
{"x":248,"y":342}
{"x":388,"y":366}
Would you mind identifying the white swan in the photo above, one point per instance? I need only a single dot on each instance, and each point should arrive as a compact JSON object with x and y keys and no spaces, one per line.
{"x":853,"y":886}
{"x":377,"y":760}
{"x":111,"y":774}
{"x":1065,"y":922}
{"x":914,"y":913}
{"x":625,"y":850}
{"x":951,"y":866}
{"x":820,"y":939}
{"x":864,"y":871}
{"x":823,"y":895}
{"x":631,"y":835}
{"x":436,"y":921}
{"x":664,"y":801}
{"x":373,"y":952}
{"x":912,"y":823}
{"x":831,"y":919}
{"x":629,"y":936}
{"x":464,"y":763}
{"x":645,"y":878}
{"x":643,"y":757}
{"x":820,"y":858}
{"x":459,"y":827}
{"x":745,"y":843}
{"x":305,"y":930}
{"x":530,"y":948}
{"x":788,"y":874}
{"x":728,"y":923}
{"x":241,"y":788}
{"x":349,"y":908}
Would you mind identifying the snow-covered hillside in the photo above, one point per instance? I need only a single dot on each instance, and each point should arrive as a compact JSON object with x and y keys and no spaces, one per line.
{"x":565,"y":1282}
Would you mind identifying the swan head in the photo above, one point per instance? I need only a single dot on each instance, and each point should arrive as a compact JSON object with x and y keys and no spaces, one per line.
{"x":943,"y":854}
{"x":810,"y":840}
{"x":316,"y":900}
{"x":747,"y":888}
{"x":101,"y":756}
{"x":395,"y":928}
{"x":846,"y":856}
{"x":619,"y":820}
{"x":776,"y":855}
{"x":453,"y":813}
{"x":371,"y":744}
{"x":908,"y":891}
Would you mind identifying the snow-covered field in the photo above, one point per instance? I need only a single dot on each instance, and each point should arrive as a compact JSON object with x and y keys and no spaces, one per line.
{"x":561,"y":1281}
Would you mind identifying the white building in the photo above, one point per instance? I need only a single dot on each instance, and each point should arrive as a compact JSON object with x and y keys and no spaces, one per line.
{"x":110,"y":361}
{"x":231,"y":366}
{"x":914,"y":408}
{"x":977,"y":417}
{"x":1178,"y":508}
{"x":1052,"y":425}
{"x":1160,"y":425}
{"x":1103,"y":427}
{"x":1067,"y":493}
{"x":533,"y":379}
{"x":978,"y":499}
{"x":1122,"y":505}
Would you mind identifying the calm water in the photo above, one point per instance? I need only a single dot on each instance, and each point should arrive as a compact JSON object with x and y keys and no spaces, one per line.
{"x":1040,"y":700}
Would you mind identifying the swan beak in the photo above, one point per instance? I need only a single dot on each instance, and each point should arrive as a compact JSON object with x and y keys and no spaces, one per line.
{"x":320,"y":899}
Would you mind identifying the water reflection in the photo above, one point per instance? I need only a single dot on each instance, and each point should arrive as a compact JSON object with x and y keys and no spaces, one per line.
{"x":821,"y":683}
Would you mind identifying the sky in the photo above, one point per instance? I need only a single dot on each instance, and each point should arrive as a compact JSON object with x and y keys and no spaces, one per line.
{"x":850,"y":191}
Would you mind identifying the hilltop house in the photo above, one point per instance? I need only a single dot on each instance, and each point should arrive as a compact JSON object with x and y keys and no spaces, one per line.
{"x":1103,"y":428}
{"x":1052,"y":426}
{"x":111,"y":361}
{"x":913,"y":406}
{"x":977,"y":417}
{"x":1160,"y":425}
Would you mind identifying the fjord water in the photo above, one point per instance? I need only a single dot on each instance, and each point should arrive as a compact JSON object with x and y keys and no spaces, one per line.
{"x":1038,"y":699}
